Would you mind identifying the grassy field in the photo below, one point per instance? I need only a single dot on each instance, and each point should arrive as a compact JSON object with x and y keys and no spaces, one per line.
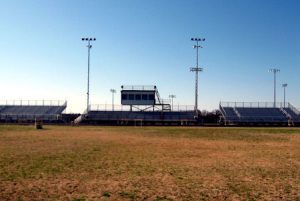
{"x":149,"y":163}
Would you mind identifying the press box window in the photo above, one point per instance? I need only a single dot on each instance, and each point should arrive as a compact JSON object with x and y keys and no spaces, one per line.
{"x":124,"y":97}
{"x":144,"y":97}
{"x":138,"y":97}
{"x":151,"y":97}
{"x":131,"y":96}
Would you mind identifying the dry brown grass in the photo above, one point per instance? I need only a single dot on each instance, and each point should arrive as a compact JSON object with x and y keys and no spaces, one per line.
{"x":151,"y":163}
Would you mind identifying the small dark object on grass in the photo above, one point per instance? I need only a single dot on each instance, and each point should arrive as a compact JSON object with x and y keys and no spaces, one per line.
{"x":106,"y":194}
{"x":38,"y":124}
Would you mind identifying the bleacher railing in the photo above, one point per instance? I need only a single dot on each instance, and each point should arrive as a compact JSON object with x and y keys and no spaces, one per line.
{"x":33,"y":102}
{"x":222,"y":110}
{"x":165,"y":101}
{"x":294,"y":109}
{"x":109,"y":107}
{"x":254,"y":104}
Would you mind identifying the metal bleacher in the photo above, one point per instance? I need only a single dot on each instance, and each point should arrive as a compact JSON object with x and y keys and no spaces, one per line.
{"x":264,"y":115}
{"x":28,"y":111}
{"x":148,"y":117}
{"x":154,"y":116}
{"x":258,"y":113}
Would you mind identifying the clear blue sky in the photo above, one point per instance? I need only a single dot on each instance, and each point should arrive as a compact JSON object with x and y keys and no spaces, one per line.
{"x":148,"y":43}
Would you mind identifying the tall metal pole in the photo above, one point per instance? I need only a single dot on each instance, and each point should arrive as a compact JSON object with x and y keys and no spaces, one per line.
{"x":284,"y":86}
{"x":196,"y":78}
{"x":274,"y":70}
{"x":284,"y":97}
{"x":112,"y":98}
{"x":88,"y":79}
{"x":172,"y":96}
{"x":274,"y":89}
{"x":89,"y":46}
{"x":196,"y":70}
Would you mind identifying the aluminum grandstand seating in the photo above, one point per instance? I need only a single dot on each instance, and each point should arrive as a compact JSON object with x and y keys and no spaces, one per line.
{"x":1,"y":107}
{"x":128,"y":117}
{"x":258,"y":113}
{"x":230,"y":114}
{"x":262,"y":115}
{"x":28,"y":111}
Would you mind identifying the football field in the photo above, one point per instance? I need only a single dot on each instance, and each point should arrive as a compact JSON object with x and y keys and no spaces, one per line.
{"x":149,"y":163}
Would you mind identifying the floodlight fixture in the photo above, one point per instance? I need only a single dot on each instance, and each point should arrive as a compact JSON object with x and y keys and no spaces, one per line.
{"x":88,"y":39}
{"x":198,"y":39}
{"x":274,"y":71}
{"x":89,"y":46}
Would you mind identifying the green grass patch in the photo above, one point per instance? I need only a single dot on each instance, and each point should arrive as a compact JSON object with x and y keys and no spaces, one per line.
{"x":6,"y":128}
{"x":106,"y":194}
{"x":241,"y":134}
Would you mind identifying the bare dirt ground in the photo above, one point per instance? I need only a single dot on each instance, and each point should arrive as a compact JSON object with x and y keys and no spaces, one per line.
{"x":149,"y":163}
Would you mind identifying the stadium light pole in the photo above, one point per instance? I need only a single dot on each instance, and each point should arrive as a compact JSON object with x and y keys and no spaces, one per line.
{"x":274,"y":71}
{"x":89,"y":46}
{"x":284,"y":86}
{"x":196,"y":70}
{"x":113,"y":91}
{"x":172,"y":96}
